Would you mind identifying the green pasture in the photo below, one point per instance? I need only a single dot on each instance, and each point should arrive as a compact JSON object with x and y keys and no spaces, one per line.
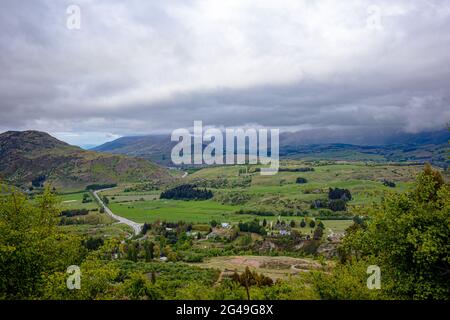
{"x":74,"y":201}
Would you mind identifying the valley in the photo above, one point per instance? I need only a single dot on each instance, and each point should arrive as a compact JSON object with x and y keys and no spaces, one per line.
{"x":196,"y":233}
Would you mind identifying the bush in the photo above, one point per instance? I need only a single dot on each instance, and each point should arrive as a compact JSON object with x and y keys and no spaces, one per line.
{"x":305,"y":169}
{"x":86,"y":198}
{"x":38,"y":182}
{"x":317,"y":204}
{"x":318,"y":233}
{"x":93,"y":243}
{"x":192,"y":257}
{"x":337,"y":205}
{"x":389,"y":184}
{"x":342,"y":194}
{"x":256,"y":212}
{"x":101,"y":186}
{"x":252,"y":226}
{"x":213,"y":223}
{"x":301,"y":180}
{"x":74,"y":212}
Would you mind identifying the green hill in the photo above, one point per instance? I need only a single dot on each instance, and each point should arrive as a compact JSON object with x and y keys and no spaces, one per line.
{"x":420,"y":147}
{"x":33,"y":157}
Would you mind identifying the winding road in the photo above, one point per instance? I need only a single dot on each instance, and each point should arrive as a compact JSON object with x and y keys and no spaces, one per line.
{"x":137,"y":227}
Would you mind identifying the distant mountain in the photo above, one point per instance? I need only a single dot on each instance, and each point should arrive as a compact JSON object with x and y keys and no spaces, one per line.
{"x":422,"y":147}
{"x":36,"y":156}
{"x":156,"y":148}
{"x":315,"y":145}
{"x":366,"y":137}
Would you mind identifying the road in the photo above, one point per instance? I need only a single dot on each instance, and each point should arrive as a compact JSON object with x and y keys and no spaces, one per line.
{"x":137,"y":227}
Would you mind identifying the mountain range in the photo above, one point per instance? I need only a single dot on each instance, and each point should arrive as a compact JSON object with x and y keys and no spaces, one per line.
{"x":315,"y":145}
{"x":33,"y":156}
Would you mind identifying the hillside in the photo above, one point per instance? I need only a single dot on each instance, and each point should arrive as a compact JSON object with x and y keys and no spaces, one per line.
{"x":420,"y":147}
{"x":36,"y":156}
{"x":155,"y":148}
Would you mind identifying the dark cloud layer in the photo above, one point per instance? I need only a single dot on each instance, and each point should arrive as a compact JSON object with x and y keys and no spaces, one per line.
{"x":139,"y":67}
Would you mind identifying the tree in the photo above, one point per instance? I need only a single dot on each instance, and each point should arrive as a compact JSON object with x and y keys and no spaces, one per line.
{"x":148,"y":250}
{"x":86,"y":198}
{"x":31,"y":246}
{"x":252,"y":226}
{"x":318,"y":233}
{"x":407,"y":236}
{"x":301,"y":180}
{"x":249,"y":278}
{"x":388,"y":183}
{"x":170,"y":254}
{"x":337,"y":205}
{"x":157,"y":252}
{"x":132,"y":251}
{"x":145,"y":228}
{"x":137,"y":287}
{"x":187,"y":192}
{"x":213,"y":223}
{"x":303,"y":223}
{"x":337,"y":193}
{"x":312,"y":224}
{"x":292,"y":224}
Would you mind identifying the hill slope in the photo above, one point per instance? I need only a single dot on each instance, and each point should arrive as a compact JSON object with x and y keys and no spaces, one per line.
{"x":33,"y":155}
{"x":421,"y":147}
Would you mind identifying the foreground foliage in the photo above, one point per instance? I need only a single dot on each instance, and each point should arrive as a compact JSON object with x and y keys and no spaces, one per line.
{"x":408,"y":237}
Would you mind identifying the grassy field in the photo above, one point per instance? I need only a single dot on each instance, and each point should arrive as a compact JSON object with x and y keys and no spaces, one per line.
{"x":94,"y":224}
{"x":114,"y":230}
{"x":200,"y":212}
{"x":174,"y":210}
{"x":264,"y":193}
{"x":74,"y":201}
{"x":273,"y":267}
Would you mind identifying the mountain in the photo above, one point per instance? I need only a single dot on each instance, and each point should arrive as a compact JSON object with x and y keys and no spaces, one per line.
{"x":156,"y":148}
{"x":432,"y":147}
{"x":316,"y":145}
{"x":27,"y":156}
{"x":366,"y":137}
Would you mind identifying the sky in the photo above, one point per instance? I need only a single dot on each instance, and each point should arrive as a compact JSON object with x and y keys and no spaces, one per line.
{"x":142,"y":67}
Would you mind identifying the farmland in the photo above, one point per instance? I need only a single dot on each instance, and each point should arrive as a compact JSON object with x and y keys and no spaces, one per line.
{"x":264,"y":193}
{"x":222,"y":223}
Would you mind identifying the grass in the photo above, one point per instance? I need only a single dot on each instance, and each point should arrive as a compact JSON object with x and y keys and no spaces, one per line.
{"x":175,"y":210}
{"x":110,"y":230}
{"x":201,"y":212}
{"x":274,"y":267}
{"x":74,"y":201}
{"x":267,"y":192}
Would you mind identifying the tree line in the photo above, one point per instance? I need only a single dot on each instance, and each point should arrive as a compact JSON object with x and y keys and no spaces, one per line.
{"x":187,"y":192}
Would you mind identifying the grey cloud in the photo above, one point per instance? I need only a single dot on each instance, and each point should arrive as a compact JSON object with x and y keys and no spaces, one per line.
{"x":152,"y":66}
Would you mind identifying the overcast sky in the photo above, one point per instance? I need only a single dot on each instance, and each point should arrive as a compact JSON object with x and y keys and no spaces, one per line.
{"x":137,"y":67}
